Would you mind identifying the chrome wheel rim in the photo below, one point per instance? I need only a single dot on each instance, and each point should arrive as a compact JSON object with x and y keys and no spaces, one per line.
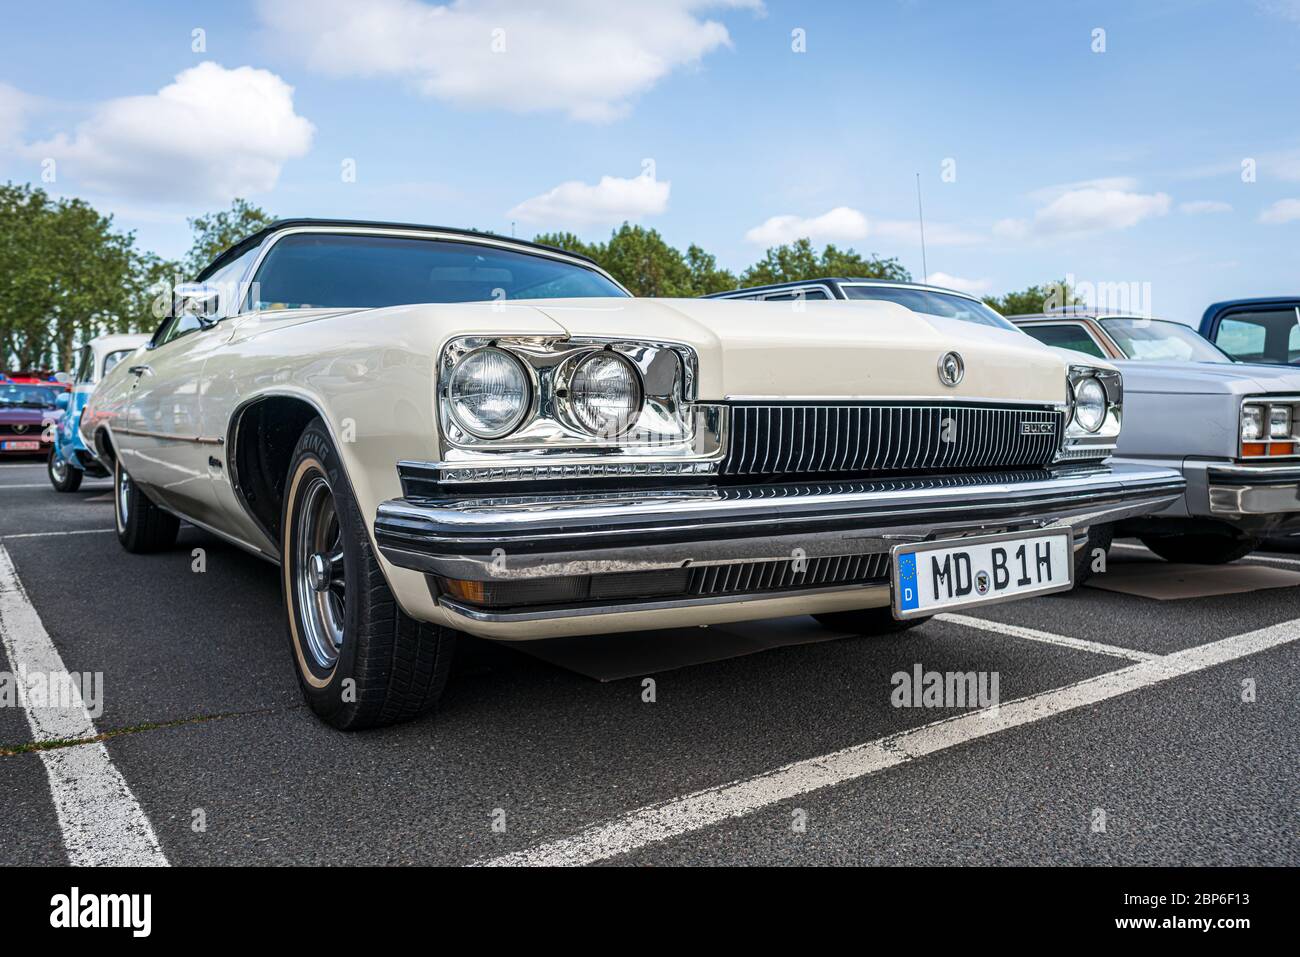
{"x":318,"y":577}
{"x":59,"y":469}
{"x":123,"y":496}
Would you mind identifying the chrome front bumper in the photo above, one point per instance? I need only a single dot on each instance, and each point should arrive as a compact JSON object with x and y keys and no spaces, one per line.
{"x":1240,"y":490}
{"x":514,"y":537}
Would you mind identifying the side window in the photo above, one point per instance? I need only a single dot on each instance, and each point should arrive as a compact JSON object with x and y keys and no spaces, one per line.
{"x":176,"y":327}
{"x":1242,"y":338}
{"x":113,"y":358}
{"x":227,"y":280}
{"x":790,"y":295}
{"x":86,"y":365}
{"x":1068,"y":335}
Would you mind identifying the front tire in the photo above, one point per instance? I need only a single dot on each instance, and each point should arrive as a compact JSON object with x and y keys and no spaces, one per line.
{"x":361,"y":661}
{"x":868,"y":621}
{"x":1202,"y":549}
{"x":63,"y":475}
{"x":141,"y":525}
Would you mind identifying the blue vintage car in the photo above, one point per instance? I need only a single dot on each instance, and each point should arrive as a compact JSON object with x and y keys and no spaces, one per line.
{"x":69,"y":458}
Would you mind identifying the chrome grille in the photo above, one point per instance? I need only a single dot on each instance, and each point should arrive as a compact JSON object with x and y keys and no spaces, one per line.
{"x":798,"y":439}
{"x":768,"y":576}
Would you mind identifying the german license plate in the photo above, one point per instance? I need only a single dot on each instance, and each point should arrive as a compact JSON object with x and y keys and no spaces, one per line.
{"x":24,"y":446}
{"x":943,"y":576}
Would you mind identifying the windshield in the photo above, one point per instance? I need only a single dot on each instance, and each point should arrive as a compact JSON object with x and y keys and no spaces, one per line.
{"x":1160,"y":340}
{"x":352,"y":271}
{"x":27,"y":397}
{"x":930,"y":303}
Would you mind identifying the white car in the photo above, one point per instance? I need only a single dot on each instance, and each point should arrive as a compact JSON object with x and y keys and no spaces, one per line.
{"x":434,"y":431}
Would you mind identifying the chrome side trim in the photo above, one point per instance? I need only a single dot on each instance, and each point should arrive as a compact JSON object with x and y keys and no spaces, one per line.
{"x":173,"y":437}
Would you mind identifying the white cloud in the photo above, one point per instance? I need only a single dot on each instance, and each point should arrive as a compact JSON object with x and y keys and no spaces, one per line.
{"x":1283,"y":211}
{"x":973,"y":286}
{"x":1198,"y":206}
{"x":1083,"y":208}
{"x":211,"y":135}
{"x":936,"y":234}
{"x":14,"y":107}
{"x":587,"y":58}
{"x":840,"y":224}
{"x":611,"y":201}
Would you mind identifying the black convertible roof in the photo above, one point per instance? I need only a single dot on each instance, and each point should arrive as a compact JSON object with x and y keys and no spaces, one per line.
{"x":248,"y":242}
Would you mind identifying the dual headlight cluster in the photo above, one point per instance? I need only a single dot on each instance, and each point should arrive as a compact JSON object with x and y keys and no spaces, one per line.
{"x":491,"y":393}
{"x":1267,"y":428}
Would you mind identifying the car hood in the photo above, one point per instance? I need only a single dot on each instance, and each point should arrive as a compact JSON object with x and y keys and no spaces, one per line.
{"x":32,"y":417}
{"x":1207,"y":378}
{"x":825,"y":349}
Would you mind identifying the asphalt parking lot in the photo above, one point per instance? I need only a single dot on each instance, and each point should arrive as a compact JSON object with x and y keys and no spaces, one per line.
{"x":1122,"y":734}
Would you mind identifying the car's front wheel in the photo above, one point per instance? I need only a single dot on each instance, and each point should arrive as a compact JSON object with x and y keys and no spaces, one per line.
{"x":141,"y":525}
{"x":1201,"y":549}
{"x":868,"y":621}
{"x":63,"y":476}
{"x":361,"y":661}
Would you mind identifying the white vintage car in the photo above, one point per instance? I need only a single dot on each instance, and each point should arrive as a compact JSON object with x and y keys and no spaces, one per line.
{"x":434,"y":431}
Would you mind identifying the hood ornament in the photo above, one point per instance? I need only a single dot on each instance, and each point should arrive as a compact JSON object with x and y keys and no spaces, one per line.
{"x":951,"y":368}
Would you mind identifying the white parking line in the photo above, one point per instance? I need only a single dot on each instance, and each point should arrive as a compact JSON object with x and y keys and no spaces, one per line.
{"x":1064,"y":641}
{"x":34,"y":485}
{"x":101,"y":821}
{"x":74,"y":531}
{"x":660,"y":822}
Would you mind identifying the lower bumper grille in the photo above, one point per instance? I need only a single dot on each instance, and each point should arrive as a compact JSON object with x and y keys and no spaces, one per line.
{"x":798,"y":439}
{"x":788,"y":573}
{"x":702,"y":582}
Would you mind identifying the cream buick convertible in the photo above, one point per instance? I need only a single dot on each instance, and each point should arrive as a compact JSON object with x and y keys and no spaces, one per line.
{"x":433,"y":432}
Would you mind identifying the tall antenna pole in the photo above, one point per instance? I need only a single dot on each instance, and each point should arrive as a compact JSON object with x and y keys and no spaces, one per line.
{"x":920,"y":216}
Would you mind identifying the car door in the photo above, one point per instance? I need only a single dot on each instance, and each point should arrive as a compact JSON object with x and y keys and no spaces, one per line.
{"x":164,"y":450}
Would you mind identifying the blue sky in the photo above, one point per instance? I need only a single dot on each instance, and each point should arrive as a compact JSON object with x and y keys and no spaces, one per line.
{"x":1041,"y":154}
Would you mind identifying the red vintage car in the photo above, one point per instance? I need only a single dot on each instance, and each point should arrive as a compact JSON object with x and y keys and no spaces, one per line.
{"x":26,"y":410}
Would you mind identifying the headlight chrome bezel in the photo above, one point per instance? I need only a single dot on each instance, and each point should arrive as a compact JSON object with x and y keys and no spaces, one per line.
{"x":1089,"y":383}
{"x":1264,"y":441}
{"x":1082,"y":444}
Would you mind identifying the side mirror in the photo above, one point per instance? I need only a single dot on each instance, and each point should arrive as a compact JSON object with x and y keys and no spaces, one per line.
{"x":197,"y":299}
{"x":62,"y":399}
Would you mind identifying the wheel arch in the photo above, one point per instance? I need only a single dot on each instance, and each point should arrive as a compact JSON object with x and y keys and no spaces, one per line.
{"x":263,"y":433}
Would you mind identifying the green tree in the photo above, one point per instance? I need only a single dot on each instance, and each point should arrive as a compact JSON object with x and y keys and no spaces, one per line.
{"x":216,"y":232}
{"x":65,"y":276}
{"x":1048,"y":296}
{"x":705,"y":276}
{"x":568,"y":242}
{"x":797,"y":261}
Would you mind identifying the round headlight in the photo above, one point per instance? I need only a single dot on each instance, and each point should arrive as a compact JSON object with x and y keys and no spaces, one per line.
{"x":1089,"y":404}
{"x":605,"y":394}
{"x":489,"y":393}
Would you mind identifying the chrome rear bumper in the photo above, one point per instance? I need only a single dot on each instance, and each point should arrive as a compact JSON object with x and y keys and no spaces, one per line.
{"x":490,"y":538}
